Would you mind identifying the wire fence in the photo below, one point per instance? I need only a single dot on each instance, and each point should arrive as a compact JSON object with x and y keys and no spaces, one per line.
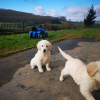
{"x":14,"y":28}
{"x":11,"y":27}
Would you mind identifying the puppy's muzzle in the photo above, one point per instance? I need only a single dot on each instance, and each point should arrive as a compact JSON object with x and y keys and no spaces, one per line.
{"x":44,"y":51}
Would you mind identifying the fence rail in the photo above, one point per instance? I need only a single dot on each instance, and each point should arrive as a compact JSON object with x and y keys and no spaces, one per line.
{"x":11,"y":27}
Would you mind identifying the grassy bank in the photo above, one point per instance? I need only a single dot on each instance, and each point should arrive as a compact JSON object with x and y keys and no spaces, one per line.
{"x":18,"y":42}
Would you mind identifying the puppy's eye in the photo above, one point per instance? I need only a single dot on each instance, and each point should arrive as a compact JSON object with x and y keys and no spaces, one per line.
{"x":42,"y":45}
{"x":46,"y":46}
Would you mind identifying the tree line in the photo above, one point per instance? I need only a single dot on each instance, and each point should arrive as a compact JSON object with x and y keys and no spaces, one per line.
{"x":13,"y":16}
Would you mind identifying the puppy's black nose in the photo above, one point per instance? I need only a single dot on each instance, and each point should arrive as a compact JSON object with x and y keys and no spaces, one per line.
{"x":44,"y":50}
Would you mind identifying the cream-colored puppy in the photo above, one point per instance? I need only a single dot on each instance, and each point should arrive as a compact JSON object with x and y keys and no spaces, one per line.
{"x":86,"y":76}
{"x":42,"y":57}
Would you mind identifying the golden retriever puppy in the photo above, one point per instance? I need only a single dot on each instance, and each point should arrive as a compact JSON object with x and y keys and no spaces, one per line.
{"x":42,"y":57}
{"x":86,"y":76}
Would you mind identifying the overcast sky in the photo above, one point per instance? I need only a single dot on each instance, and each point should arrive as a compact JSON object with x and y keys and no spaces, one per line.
{"x":73,"y":10}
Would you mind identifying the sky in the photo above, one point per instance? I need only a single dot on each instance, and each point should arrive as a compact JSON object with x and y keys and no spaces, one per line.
{"x":73,"y":10}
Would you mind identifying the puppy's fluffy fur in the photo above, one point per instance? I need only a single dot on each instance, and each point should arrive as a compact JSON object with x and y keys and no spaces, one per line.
{"x":86,"y":76}
{"x":42,"y":56}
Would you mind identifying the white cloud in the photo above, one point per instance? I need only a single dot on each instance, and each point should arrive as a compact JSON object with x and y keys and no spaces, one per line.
{"x":73,"y":13}
{"x":97,"y":8}
{"x":39,"y":10}
{"x":78,"y":13}
{"x":52,"y":13}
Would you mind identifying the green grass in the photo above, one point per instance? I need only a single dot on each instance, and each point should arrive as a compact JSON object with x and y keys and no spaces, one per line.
{"x":78,"y":24}
{"x":11,"y":43}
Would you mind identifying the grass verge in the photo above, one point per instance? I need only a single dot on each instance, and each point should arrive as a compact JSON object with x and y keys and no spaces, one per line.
{"x":18,"y":42}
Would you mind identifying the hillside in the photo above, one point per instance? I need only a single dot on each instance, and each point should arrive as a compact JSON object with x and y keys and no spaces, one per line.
{"x":13,"y":16}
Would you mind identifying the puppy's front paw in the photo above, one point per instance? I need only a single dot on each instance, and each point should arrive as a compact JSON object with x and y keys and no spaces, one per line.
{"x":48,"y":69}
{"x":41,"y":71}
{"x":61,"y":79}
{"x":32,"y":67}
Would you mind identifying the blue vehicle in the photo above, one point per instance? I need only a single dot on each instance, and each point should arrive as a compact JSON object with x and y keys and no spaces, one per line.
{"x":37,"y":33}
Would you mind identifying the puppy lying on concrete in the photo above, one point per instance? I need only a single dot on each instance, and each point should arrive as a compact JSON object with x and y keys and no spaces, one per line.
{"x":86,"y":76}
{"x":42,"y":56}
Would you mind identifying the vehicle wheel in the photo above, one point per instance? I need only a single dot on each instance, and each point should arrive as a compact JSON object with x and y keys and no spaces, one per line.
{"x":30,"y":35}
{"x":40,"y":35}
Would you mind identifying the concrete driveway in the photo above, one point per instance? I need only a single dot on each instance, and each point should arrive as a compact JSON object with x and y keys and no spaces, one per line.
{"x":19,"y":82}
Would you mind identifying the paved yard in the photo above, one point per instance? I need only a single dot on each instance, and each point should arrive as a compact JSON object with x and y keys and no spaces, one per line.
{"x":28,"y":84}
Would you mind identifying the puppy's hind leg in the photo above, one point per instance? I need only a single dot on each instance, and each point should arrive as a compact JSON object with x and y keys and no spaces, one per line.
{"x":87,"y":94}
{"x":32,"y":64}
{"x":63,"y":72}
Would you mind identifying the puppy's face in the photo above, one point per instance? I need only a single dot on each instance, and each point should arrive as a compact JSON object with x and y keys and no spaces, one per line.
{"x":93,"y":70}
{"x":44,"y":46}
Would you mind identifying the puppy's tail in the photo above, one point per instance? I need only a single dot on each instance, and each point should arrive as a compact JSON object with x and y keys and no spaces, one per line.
{"x":66,"y":56}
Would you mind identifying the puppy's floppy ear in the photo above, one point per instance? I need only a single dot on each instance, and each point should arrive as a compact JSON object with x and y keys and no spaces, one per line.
{"x":92,"y":69}
{"x":39,"y":46}
{"x":50,"y":46}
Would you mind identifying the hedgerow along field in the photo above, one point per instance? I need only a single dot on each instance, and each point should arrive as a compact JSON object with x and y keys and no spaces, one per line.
{"x":9,"y":28}
{"x":18,"y":42}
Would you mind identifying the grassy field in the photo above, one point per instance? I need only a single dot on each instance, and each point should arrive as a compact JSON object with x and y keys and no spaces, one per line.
{"x":18,"y":42}
{"x":77,"y":24}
